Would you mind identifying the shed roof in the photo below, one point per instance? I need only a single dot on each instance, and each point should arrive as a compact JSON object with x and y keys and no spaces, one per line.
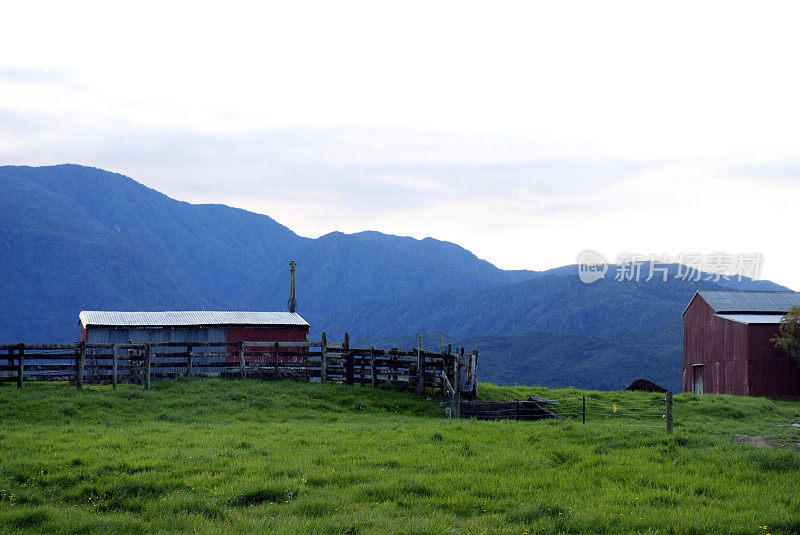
{"x":742,"y":302}
{"x":187,"y":318}
{"x":748,"y":319}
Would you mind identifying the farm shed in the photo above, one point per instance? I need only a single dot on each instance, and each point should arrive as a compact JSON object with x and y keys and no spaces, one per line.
{"x":110,"y":327}
{"x":727,"y":347}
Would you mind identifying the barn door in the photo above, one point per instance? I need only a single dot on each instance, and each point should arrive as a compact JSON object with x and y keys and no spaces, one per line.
{"x":697,"y":383}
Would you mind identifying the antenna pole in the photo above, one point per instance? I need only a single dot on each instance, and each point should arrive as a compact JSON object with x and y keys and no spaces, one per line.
{"x":292,"y":300}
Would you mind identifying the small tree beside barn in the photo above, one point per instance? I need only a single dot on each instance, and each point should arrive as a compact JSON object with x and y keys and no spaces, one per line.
{"x":788,"y":338}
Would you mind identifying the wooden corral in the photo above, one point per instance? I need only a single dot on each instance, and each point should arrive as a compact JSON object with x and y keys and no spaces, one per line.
{"x":84,"y":363}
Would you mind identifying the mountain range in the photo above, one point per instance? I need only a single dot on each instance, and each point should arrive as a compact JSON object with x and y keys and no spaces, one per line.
{"x":77,"y":238}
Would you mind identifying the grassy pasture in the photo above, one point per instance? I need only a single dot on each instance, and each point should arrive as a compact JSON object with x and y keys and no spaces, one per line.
{"x":216,"y":456}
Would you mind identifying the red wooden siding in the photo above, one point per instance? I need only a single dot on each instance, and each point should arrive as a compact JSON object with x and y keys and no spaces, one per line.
{"x":773,"y":373}
{"x":737,"y":358}
{"x":278,"y":333}
{"x":719,"y":345}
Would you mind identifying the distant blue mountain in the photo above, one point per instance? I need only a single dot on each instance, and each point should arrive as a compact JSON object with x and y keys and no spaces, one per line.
{"x":75,"y":238}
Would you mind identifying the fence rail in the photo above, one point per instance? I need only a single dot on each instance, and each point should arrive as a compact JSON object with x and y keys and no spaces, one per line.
{"x":82,"y":363}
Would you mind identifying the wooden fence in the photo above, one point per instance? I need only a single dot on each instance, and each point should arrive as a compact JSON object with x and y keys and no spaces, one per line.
{"x":83,"y":363}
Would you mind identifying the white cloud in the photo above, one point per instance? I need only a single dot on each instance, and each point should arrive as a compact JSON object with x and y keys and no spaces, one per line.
{"x":524,"y":131}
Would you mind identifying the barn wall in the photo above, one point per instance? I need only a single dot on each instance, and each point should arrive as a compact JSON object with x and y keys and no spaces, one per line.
{"x":198,"y":335}
{"x":719,"y":345}
{"x":275,"y":333}
{"x":773,"y":373}
{"x":154,"y":335}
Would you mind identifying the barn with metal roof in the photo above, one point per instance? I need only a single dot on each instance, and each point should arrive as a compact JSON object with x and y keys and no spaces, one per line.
{"x":728,"y":348}
{"x":115,"y":327}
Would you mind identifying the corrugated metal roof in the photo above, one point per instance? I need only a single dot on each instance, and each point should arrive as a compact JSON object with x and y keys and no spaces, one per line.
{"x":747,"y":319}
{"x":722,"y":301}
{"x":188,"y":318}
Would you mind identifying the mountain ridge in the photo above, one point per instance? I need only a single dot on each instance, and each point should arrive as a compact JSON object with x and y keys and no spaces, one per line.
{"x":75,"y":238}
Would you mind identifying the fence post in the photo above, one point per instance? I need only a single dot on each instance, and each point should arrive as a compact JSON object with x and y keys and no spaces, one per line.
{"x":323,"y":360}
{"x":20,"y":364}
{"x":242,"y":366}
{"x":348,"y":361}
{"x":147,"y":366}
{"x":372,"y":369}
{"x":93,"y":365}
{"x":277,"y":363}
{"x":11,"y":352}
{"x":420,"y":369}
{"x":583,"y":410}
{"x":669,"y":412}
{"x":474,"y":378}
{"x":456,"y":389}
{"x":114,"y":365}
{"x":189,"y":359}
{"x":10,"y":360}
{"x":81,"y":364}
{"x":361,"y":380}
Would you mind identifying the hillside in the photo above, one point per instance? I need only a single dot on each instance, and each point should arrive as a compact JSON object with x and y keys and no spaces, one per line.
{"x":214,"y":248}
{"x":77,"y":238}
{"x":56,"y":260}
{"x":217,"y":456}
{"x":229,"y":257}
{"x":550,"y":304}
{"x":337,"y":271}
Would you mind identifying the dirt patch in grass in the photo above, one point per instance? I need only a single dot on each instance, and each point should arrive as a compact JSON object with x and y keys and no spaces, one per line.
{"x":755,"y":441}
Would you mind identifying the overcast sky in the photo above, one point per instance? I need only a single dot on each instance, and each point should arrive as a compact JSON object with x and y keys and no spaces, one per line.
{"x":525,"y":131}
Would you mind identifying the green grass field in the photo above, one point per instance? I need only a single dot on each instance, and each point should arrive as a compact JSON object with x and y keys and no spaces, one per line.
{"x":216,"y":456}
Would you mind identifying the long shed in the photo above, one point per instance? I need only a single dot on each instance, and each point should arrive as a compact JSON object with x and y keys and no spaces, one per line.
{"x":109,"y":327}
{"x":727,"y":347}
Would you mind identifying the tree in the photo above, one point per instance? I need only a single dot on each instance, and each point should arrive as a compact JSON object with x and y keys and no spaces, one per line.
{"x":789,"y":337}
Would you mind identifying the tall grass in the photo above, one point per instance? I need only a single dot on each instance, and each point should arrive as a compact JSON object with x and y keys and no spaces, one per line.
{"x":219,"y":456}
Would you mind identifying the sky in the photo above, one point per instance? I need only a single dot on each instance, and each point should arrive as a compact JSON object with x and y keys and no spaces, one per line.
{"x":523,"y":131}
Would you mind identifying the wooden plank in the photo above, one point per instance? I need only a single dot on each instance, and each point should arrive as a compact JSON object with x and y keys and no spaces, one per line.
{"x":265,"y":344}
{"x":242,"y":367}
{"x":189,"y":358}
{"x":447,"y":387}
{"x":372,"y":369}
{"x":20,"y":365}
{"x":114,"y":377}
{"x":350,"y":371}
{"x":277,"y":362}
{"x":40,"y":367}
{"x":456,"y":392}
{"x":420,"y":369}
{"x":10,"y":360}
{"x":36,"y":347}
{"x":31,"y":357}
{"x":323,"y":377}
{"x":362,"y":375}
{"x":81,"y":365}
{"x":147,"y":367}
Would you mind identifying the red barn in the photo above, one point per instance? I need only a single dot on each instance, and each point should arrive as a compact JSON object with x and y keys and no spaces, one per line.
{"x":727,"y":346}
{"x":110,"y":327}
